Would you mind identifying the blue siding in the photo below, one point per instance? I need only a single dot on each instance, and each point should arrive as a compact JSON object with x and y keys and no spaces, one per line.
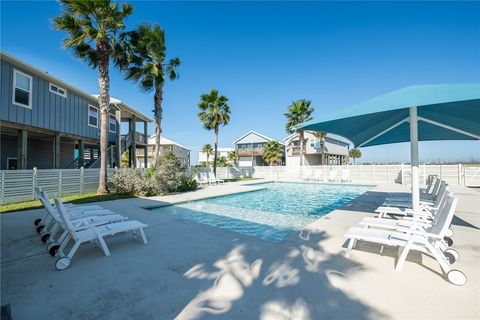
{"x":49,"y":110}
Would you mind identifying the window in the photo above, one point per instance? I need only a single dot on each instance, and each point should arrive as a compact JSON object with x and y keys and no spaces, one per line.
{"x":22,"y":89}
{"x":58,"y":90}
{"x":93,"y":116}
{"x":112,"y":124}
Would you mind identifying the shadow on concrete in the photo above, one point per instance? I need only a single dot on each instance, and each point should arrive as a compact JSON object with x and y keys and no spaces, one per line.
{"x":366,"y":202}
{"x":460,"y":222}
{"x":292,"y":283}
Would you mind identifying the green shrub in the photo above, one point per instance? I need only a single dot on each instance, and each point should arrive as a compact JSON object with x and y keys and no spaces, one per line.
{"x":170,"y":176}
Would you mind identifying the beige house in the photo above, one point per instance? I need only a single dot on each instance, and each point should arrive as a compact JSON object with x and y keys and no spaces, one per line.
{"x":335,"y":150}
{"x":166,"y":145}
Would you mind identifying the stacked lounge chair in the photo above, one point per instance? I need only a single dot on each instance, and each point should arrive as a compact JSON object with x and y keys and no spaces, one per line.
{"x":426,"y":230}
{"x":80,"y":224}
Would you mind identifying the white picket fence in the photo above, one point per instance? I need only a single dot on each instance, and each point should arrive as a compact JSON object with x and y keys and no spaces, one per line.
{"x":455,"y":174}
{"x":19,"y":185}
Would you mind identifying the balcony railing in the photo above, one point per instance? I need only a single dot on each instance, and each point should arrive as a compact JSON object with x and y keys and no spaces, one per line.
{"x":249,"y":152}
{"x":139,"y":137}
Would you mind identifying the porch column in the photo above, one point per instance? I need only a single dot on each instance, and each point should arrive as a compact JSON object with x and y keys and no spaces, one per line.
{"x":56,"y":151}
{"x":118,"y":138}
{"x":145,"y":133}
{"x":81,"y":149}
{"x":145,"y":152}
{"x":133,"y":127}
{"x":22,"y":143}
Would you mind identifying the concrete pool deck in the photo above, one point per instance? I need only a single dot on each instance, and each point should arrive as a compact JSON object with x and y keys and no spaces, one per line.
{"x":195,"y":271}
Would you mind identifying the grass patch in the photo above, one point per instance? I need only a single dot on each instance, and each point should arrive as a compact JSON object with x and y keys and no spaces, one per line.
{"x":74,"y":198}
{"x":240,"y":179}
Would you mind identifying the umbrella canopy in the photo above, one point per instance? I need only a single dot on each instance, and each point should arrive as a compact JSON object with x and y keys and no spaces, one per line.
{"x":416,"y":113}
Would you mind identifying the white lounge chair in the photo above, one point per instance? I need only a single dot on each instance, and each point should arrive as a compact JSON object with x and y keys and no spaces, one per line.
{"x":407,"y":202}
{"x":308,"y":174}
{"x":345,"y":176}
{"x":332,"y":176}
{"x":419,"y":222}
{"x":423,"y":196}
{"x":427,"y":240}
{"x":213,"y":179}
{"x":43,"y":196}
{"x":403,"y":208}
{"x":201,"y":178}
{"x":93,"y":217}
{"x":92,"y":232}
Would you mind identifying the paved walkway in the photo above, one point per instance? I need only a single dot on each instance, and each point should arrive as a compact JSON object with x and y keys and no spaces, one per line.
{"x":193,"y":271}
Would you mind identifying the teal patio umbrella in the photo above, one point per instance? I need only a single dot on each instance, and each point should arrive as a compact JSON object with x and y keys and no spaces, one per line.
{"x":415,"y":113}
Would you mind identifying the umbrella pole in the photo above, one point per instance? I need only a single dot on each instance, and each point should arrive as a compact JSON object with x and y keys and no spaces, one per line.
{"x":414,"y":158}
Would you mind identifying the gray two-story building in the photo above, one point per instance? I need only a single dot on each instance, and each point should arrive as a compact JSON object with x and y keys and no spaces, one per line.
{"x":47,"y":123}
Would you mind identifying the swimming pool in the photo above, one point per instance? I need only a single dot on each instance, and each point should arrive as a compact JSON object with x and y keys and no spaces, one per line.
{"x":270,"y":214}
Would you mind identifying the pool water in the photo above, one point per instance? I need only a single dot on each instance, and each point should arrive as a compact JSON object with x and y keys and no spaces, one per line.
{"x":272,"y":213}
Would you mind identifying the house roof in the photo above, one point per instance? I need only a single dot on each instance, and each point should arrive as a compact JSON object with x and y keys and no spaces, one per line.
{"x":256,"y":133}
{"x":164,"y":141}
{"x":44,"y":74}
{"x":329,"y":135}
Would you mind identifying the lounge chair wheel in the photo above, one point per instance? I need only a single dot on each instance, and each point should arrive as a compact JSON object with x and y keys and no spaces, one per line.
{"x":53,"y":248}
{"x":45,"y":237}
{"x":456,"y":277}
{"x":450,"y":257}
{"x":40,"y":228}
{"x":62,"y":263}
{"x":449,"y":241}
{"x":454,"y":253}
{"x":37,"y":222}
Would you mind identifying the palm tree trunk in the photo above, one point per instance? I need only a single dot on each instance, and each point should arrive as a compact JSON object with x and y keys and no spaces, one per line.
{"x":301,"y":148}
{"x":215,"y":154}
{"x":104,"y":104}
{"x":158,"y":113}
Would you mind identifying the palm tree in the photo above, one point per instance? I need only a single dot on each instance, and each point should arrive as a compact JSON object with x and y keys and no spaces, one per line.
{"x":355,"y":153}
{"x":232,"y":157}
{"x":272,"y":152}
{"x":208,"y":151}
{"x":92,"y":29}
{"x":298,"y":112}
{"x":145,"y":64}
{"x":214,"y":111}
{"x":321,"y":135}
{"x":223,"y":162}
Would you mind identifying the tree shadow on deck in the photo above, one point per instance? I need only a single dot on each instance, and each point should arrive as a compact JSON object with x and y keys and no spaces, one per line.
{"x":291,"y":281}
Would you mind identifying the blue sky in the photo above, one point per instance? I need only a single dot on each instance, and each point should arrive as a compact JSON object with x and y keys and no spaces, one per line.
{"x":263,"y":55}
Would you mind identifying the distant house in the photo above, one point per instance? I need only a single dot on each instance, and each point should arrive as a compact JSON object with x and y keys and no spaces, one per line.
{"x":47,"y":123}
{"x":221,"y":152}
{"x":166,"y":145}
{"x":249,"y":149}
{"x":335,"y":150}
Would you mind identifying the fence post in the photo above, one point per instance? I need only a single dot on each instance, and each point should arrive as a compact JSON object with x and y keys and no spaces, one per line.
{"x":3,"y":186}
{"x":59,"y":183}
{"x":81,"y":179}
{"x":424,"y":173}
{"x":34,"y":181}
{"x":401,"y":173}
{"x":459,"y":173}
{"x":373,"y":173}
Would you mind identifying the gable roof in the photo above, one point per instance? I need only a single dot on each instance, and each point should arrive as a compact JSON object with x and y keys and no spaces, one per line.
{"x":164,"y":141}
{"x":258,"y":134}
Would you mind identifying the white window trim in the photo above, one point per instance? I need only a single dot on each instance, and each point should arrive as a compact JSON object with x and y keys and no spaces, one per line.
{"x":30,"y":93}
{"x":110,"y":116}
{"x":88,"y":116}
{"x":58,"y":87}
